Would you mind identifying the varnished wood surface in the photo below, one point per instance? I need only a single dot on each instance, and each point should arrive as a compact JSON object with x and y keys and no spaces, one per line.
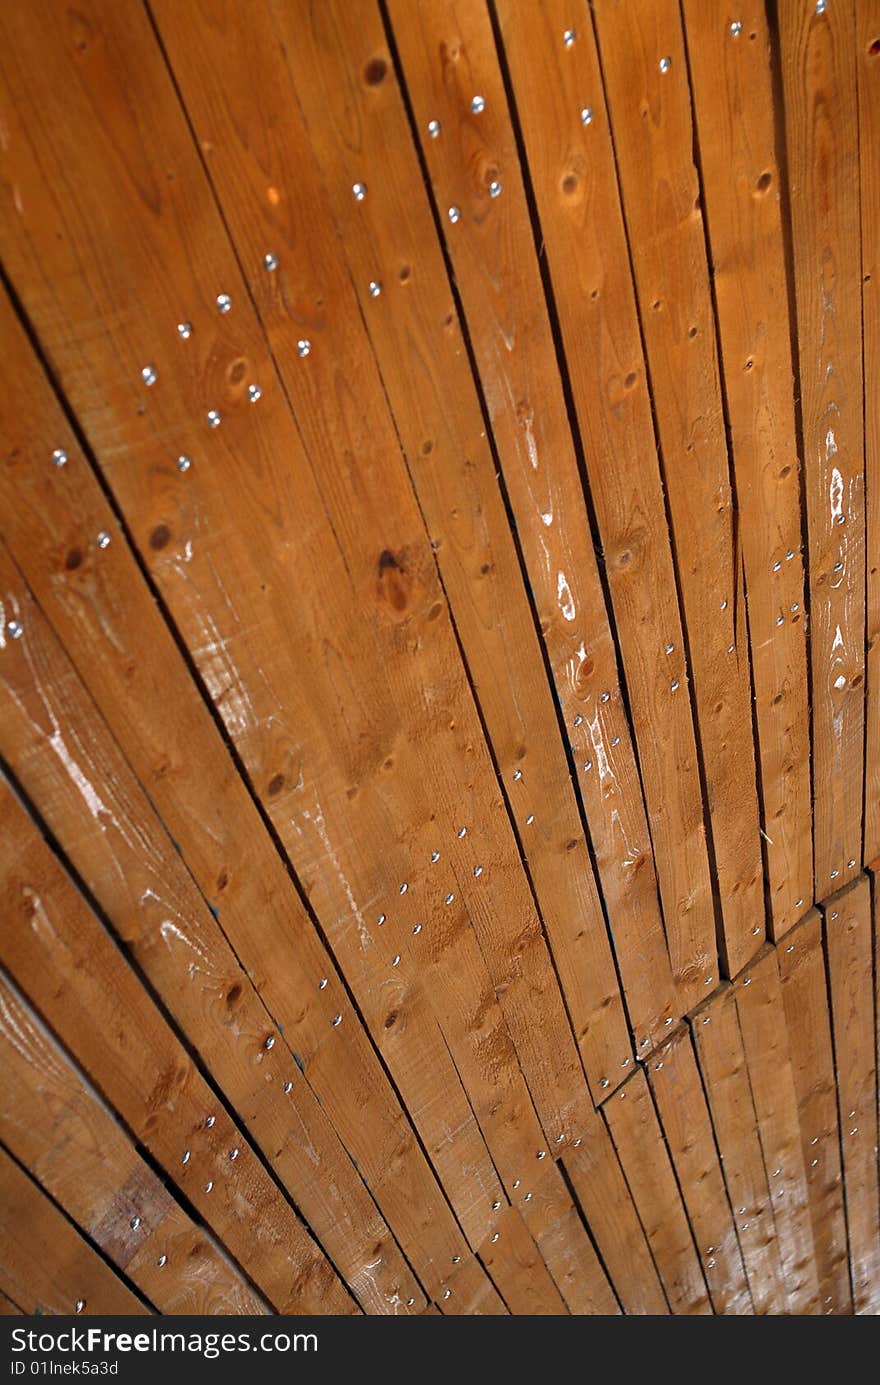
{"x":439,"y":527}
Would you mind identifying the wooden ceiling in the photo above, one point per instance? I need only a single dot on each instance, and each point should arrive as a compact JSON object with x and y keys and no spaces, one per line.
{"x":440,"y":656}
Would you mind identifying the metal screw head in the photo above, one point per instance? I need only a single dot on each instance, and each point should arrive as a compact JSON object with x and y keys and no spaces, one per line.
{"x":478,"y":104}
{"x":269,"y":1042}
{"x":450,"y":898}
{"x":162,"y":1261}
{"x":495,"y":1237}
{"x":287,"y":1088}
{"x":184,"y":330}
{"x":821,"y":6}
{"x":447,"y":1293}
{"x":530,"y":819}
{"x":668,"y":1020}
{"x":404,"y":887}
{"x":478,"y":871}
{"x":417,"y":928}
{"x":798,"y":903}
{"x":186,"y":1157}
{"x":14,"y":629}
{"x":606,"y":697}
{"x":135,"y":1223}
{"x":434,"y":128}
{"x":380,"y":920}
{"x":337,"y":1020}
{"x":303,"y":347}
{"x":375,"y":288}
{"x":528,"y":1197}
{"x":724,"y":605}
{"x":834,"y":874}
{"x":322,"y":984}
{"x":456,"y":1259}
{"x":736,"y":29}
{"x":254,"y":393}
{"x":270,"y":261}
{"x":586,"y":116}
{"x":669,"y":648}
{"x":748,"y":981}
{"x":79,"y":1305}
{"x":851,"y":865}
{"x":542,"y":1154}
{"x":780,"y":620}
{"x":588,"y":765}
{"x":496,"y":1206}
{"x":615,"y":740}
{"x":103,"y":539}
{"x":454,"y":214}
{"x":410,"y":1302}
{"x":209,"y":1122}
{"x":462,"y":832}
{"x":605,"y":1082}
{"x":789,"y":555}
{"x":395,"y":961}
{"x":730,"y":648}
{"x":578,"y":720}
{"x":569,"y":37}
{"x":224,"y":302}
{"x":215,"y":418}
{"x":59,"y":457}
{"x":209,"y":1185}
{"x":233,"y":1153}
{"x":675,"y":685}
{"x":359,"y":191}
{"x":148,"y":375}
{"x":184,"y":462}
{"x":665,"y":64}
{"x":435,"y":857}
{"x":777,"y":566}
{"x":495,"y":188}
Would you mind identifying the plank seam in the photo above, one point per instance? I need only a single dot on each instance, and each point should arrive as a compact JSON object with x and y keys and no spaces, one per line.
{"x":826,"y":965}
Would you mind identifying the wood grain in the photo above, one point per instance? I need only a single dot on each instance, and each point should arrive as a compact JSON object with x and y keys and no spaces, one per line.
{"x":817,"y":57}
{"x":733,"y":113}
{"x":849,"y":947}
{"x":46,"y":1266}
{"x":650,"y":113}
{"x":867,"y":40}
{"x":56,"y":1125}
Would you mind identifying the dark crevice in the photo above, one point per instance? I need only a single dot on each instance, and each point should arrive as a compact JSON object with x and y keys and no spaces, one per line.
{"x":597,"y":1251}
{"x":613,"y":1143}
{"x":765,"y":838}
{"x":826,"y":961}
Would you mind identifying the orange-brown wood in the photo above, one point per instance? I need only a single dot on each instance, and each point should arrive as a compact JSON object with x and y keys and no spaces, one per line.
{"x":805,"y":997}
{"x":60,"y":957}
{"x":722,"y":1062}
{"x":687,"y":1128}
{"x":765,"y":1043}
{"x":850,"y":952}
{"x":470,"y":1293}
{"x":733,"y":114}
{"x":645,"y":1161}
{"x":868,"y":66}
{"x":646,"y":82}
{"x":57,"y":1126}
{"x":818,"y":65}
{"x":520,"y":1275}
{"x":45,"y":1264}
{"x":557,"y":1227}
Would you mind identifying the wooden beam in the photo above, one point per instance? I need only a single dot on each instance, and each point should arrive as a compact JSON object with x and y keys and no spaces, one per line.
{"x":646,"y":83}
{"x":805,"y":998}
{"x":818,"y":63}
{"x":733,"y":115}
{"x":60,"y":957}
{"x":518,"y":1271}
{"x":45,"y":1264}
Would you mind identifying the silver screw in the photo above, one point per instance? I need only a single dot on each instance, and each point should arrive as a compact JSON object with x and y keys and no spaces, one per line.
{"x":270,"y":261}
{"x":287,"y":1088}
{"x":798,"y":903}
{"x":270,"y":1042}
{"x":605,"y":1082}
{"x":135,"y":1223}
{"x":586,"y":116}
{"x":834,"y":874}
{"x":336,"y":1021}
{"x":578,"y":720}
{"x":186,"y":1157}
{"x":359,"y":191}
{"x":462,"y":832}
{"x":395,"y":961}
{"x":303,"y":347}
{"x":496,"y":1206}
{"x":209,"y":1185}
{"x":184,"y":462}
{"x":435,"y":857}
{"x":380,"y":920}
{"x":233,"y":1153}
{"x":724,"y":605}
{"x":569,"y":37}
{"x":675,"y":685}
{"x":375,"y":288}
{"x":80,"y":1305}
{"x":478,"y":871}
{"x":184,"y":330}
{"x":851,"y":865}
{"x":15,"y":629}
{"x":780,"y":620}
{"x":528,"y":1197}
{"x":495,"y":188}
{"x":162,"y":1261}
{"x":59,"y":457}
{"x":148,"y":375}
{"x":209,"y":1122}
{"x":404,"y":887}
{"x":434,"y":128}
{"x":606,"y":697}
{"x":588,"y":765}
{"x":447,"y":1293}
{"x":542,"y":1154}
{"x":254,"y":393}
{"x":530,"y":819}
{"x":454,"y":214}
{"x":736,"y":29}
{"x":478,"y":105}
{"x":776,"y":566}
{"x":517,"y":775}
{"x":669,"y":648}
{"x":450,"y":898}
{"x":103,"y":539}
{"x":495,"y":1237}
{"x":821,"y":6}
{"x":615,"y":740}
{"x":516,"y":1183}
{"x":322,"y":984}
{"x":215,"y":418}
{"x":665,"y":64}
{"x":224,"y":302}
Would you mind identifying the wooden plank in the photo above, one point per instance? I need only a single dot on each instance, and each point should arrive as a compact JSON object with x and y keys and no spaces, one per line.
{"x":868,"y":67}
{"x":645,"y":1161}
{"x":573,"y":173}
{"x":8,"y":1309}
{"x":687,"y":1129}
{"x":57,"y":1127}
{"x":650,"y":115}
{"x":765,"y":1042}
{"x":203,"y":803}
{"x":850,"y":952}
{"x":367,"y":136}
{"x":805,"y":998}
{"x":380,"y":785}
{"x":557,"y":1227}
{"x":512,"y":1259}
{"x":45,"y":1264}
{"x":602,"y":1192}
{"x":469,"y":1292}
{"x":213,"y":64}
{"x":733,"y":103}
{"x":817,"y":58}
{"x":722,"y":1062}
{"x":61,"y":958}
{"x":55,"y":743}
